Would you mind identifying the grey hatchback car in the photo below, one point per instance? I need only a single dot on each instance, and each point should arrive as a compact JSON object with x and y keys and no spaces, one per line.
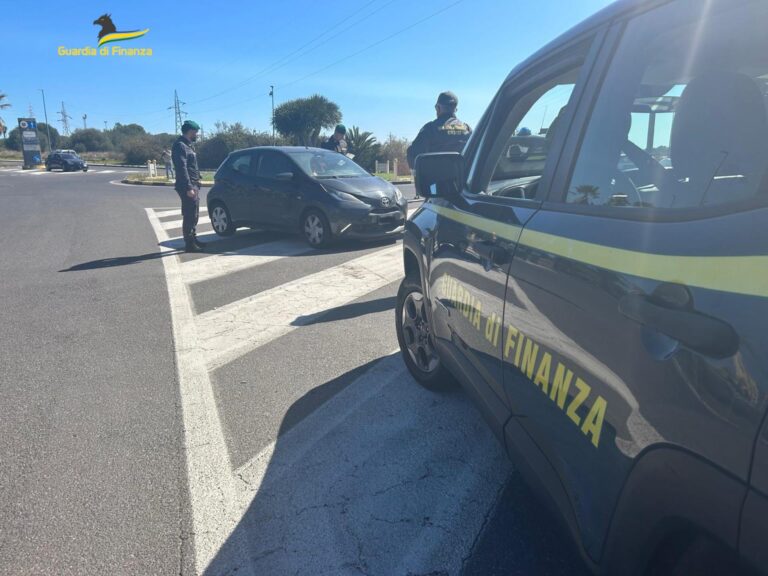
{"x":321,"y":194}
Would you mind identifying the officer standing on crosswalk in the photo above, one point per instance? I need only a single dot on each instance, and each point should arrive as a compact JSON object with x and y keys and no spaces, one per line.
{"x":188,"y":183}
{"x":444,"y":134}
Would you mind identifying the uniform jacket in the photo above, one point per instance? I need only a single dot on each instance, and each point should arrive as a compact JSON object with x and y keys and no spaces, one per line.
{"x":185,"y":165}
{"x":444,"y":134}
{"x":339,"y":146}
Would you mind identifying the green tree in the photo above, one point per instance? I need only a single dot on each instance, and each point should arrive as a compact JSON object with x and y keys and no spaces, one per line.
{"x":364,"y":146}
{"x":93,"y":140}
{"x":141,"y":148}
{"x":228,"y":138}
{"x":14,"y":138}
{"x":395,"y":149}
{"x":122,"y":133}
{"x":302,"y":119}
{"x":3,"y":106}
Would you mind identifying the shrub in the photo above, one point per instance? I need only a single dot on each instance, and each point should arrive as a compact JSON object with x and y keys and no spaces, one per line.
{"x":139,"y":149}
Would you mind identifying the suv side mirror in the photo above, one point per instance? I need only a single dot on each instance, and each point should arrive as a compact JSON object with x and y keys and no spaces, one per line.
{"x":284,"y":176}
{"x":439,"y":174}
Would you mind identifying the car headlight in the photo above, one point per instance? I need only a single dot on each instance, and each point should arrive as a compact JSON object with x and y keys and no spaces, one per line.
{"x":398,"y":195}
{"x":343,"y":196}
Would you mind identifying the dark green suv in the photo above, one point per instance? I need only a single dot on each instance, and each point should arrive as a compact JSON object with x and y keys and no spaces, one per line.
{"x":601,"y":287}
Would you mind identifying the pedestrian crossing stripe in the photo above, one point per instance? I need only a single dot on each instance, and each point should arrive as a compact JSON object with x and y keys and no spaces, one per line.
{"x":340,"y":427}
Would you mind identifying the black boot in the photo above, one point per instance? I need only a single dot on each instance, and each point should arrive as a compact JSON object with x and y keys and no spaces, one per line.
{"x":191,"y":246}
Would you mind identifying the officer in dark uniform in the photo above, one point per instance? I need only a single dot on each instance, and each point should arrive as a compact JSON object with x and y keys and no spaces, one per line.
{"x":336,"y":141}
{"x":444,"y":134}
{"x":188,"y":183}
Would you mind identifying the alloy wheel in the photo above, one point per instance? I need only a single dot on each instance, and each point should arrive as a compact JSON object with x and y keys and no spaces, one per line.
{"x":417,"y":333}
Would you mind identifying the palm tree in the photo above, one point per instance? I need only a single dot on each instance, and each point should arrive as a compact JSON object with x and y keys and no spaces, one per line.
{"x":3,"y":105}
{"x":364,"y":146}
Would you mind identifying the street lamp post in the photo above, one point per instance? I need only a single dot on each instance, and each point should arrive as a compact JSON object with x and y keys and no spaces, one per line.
{"x":47,"y":126}
{"x":272,"y":94}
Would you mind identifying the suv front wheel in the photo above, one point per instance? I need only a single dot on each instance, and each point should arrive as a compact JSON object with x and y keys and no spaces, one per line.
{"x":417,"y":341}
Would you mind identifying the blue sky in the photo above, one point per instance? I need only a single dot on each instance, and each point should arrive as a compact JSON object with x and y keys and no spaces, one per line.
{"x":222,"y":57}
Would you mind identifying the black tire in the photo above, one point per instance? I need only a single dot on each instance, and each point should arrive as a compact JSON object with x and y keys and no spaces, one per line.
{"x":221,"y":220}
{"x":315,"y":229}
{"x":416,"y":340}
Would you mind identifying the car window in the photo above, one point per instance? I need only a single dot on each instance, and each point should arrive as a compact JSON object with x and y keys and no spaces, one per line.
{"x":531,"y":121}
{"x":273,"y":163}
{"x":681,"y":121}
{"x":242,"y":164}
{"x":326,"y":164}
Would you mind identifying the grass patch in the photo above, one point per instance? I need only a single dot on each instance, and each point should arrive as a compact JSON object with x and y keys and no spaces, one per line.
{"x":390,"y":177}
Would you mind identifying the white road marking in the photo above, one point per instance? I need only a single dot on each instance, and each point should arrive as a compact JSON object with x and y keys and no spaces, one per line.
{"x":177,"y":212}
{"x":212,"y":493}
{"x":238,"y":260}
{"x":228,"y":332}
{"x":178,"y":241}
{"x":364,"y":483}
{"x":171,"y":224}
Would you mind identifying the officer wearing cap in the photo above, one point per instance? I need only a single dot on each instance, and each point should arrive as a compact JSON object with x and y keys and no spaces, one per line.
{"x":188,"y":183}
{"x":336,"y":142}
{"x":444,"y":134}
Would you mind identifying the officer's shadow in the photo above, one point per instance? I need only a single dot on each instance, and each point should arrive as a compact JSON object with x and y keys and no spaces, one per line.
{"x":118,"y":261}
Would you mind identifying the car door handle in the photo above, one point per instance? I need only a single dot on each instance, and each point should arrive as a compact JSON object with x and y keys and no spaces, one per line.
{"x":492,"y":252}
{"x":700,"y":332}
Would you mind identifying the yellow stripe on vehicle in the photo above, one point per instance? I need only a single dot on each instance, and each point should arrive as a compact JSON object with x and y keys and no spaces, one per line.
{"x":737,"y":274}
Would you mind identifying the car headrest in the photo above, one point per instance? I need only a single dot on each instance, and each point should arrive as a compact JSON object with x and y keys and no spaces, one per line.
{"x":720,"y":128}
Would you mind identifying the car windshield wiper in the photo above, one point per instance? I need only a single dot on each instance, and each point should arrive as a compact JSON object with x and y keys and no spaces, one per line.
{"x":325,"y":177}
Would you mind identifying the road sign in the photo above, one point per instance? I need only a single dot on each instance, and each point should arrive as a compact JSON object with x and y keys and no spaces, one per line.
{"x":30,"y":143}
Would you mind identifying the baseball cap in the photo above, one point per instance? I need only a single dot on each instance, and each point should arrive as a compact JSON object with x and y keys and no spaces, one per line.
{"x":341,"y":128}
{"x":447,"y":98}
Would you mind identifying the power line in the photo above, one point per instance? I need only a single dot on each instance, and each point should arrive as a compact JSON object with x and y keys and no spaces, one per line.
{"x":402,"y":30}
{"x":290,"y":57}
{"x":339,"y":61}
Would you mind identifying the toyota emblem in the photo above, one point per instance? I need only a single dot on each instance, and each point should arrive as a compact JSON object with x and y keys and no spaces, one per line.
{"x":385,"y":201}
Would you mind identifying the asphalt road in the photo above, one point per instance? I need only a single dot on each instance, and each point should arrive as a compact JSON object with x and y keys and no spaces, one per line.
{"x":238,"y":411}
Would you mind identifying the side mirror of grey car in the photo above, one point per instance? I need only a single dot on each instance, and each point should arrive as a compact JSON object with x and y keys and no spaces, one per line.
{"x":284,"y":176}
{"x":439,"y":174}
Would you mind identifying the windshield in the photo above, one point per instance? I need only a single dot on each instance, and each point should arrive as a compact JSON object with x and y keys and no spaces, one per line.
{"x":70,"y":156}
{"x":321,"y":164}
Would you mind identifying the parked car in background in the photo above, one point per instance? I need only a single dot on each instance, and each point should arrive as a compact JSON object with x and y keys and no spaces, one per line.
{"x":321,"y":194}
